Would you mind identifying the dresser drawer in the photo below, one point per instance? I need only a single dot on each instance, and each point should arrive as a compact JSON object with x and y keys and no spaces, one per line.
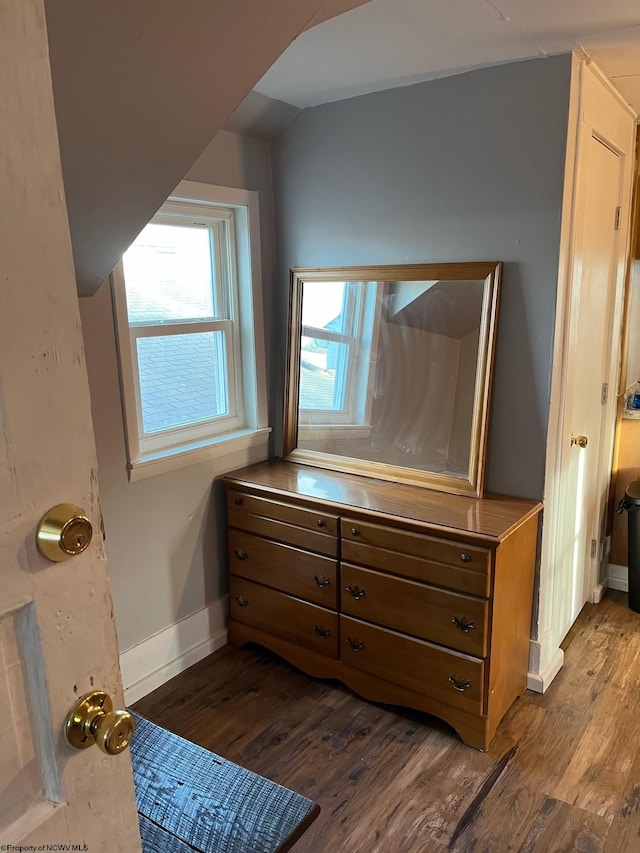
{"x":291,"y":570}
{"x":447,"y":676}
{"x":283,"y":522}
{"x":447,"y":618}
{"x":297,"y":621}
{"x":438,"y":561}
{"x":316,"y":520}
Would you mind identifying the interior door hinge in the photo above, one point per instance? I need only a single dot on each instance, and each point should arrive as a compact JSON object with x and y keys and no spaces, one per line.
{"x":616,"y":222}
{"x":605,"y":393}
{"x":594,"y":548}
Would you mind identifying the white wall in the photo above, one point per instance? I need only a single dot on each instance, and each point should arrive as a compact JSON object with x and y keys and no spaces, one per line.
{"x":164,"y":535}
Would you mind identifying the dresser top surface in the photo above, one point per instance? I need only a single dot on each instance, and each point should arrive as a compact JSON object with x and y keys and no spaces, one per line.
{"x":493,"y":516}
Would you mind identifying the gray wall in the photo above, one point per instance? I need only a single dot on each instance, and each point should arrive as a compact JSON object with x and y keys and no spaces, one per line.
{"x":465,"y":168}
{"x":164,"y":536}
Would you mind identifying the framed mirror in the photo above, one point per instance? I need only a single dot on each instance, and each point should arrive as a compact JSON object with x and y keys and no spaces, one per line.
{"x":389,"y":371}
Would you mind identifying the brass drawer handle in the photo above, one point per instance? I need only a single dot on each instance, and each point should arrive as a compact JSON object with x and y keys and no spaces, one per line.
{"x":460,"y":684}
{"x":242,"y":601}
{"x":355,"y":591}
{"x":463,"y":624}
{"x":466,"y":558}
{"x":240,"y":555}
{"x":321,"y":581}
{"x":355,"y":531}
{"x":356,"y":645}
{"x":321,"y":523}
{"x":238,"y":501}
{"x":322,"y":631}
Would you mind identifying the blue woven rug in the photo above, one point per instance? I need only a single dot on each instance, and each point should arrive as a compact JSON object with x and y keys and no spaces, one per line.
{"x":190,"y":799}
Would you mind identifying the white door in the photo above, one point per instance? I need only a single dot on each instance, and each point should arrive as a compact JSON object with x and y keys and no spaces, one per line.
{"x":584,"y":468}
{"x":57,"y":634}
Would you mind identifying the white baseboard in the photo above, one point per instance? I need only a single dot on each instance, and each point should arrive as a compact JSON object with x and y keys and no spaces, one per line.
{"x":618,"y":577}
{"x":172,"y":650}
{"x":544,"y":665}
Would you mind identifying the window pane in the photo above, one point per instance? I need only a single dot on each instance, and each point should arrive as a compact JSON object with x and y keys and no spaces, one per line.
{"x":182,"y":379}
{"x":323,"y":374}
{"x":169,"y":275}
{"x":324,"y":307}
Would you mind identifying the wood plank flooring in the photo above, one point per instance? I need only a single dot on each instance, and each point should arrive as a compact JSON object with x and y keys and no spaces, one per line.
{"x":562,"y":773}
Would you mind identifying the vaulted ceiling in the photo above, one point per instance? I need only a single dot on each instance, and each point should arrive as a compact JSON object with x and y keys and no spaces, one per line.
{"x":140,"y":88}
{"x":387,"y":43}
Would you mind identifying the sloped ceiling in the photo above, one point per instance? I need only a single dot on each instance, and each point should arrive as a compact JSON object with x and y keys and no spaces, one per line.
{"x":140,"y":88}
{"x":389,"y":43}
{"x":450,"y":308}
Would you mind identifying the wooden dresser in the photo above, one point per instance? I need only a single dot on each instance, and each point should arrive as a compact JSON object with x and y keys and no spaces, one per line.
{"x":409,"y":596}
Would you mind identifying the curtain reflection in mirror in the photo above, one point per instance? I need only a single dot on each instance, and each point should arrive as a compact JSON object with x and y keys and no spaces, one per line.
{"x":388,"y":371}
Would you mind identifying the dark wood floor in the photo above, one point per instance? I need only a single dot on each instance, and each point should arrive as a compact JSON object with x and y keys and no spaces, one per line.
{"x":562,"y":774}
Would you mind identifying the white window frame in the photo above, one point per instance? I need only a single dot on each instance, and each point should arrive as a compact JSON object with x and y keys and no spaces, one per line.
{"x":362,"y":323}
{"x":234,"y":214}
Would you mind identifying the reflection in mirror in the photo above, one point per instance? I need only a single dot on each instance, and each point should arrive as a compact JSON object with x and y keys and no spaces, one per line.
{"x":391,"y":372}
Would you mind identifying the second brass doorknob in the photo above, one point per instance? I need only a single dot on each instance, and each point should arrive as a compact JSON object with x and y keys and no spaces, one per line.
{"x":579,"y":440}
{"x":93,"y":720}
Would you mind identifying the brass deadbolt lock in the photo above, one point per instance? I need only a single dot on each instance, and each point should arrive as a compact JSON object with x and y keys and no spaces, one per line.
{"x":64,"y":532}
{"x":93,"y":720}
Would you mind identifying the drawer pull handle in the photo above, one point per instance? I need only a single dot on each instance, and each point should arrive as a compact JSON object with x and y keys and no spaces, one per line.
{"x":240,"y":555}
{"x":238,"y":501}
{"x":355,"y":591}
{"x":356,"y":645}
{"x":460,"y":684}
{"x":322,"y":631}
{"x":466,"y":558}
{"x":355,"y":531}
{"x":463,"y":624}
{"x":321,"y":581}
{"x":321,"y":523}
{"x":242,"y":601}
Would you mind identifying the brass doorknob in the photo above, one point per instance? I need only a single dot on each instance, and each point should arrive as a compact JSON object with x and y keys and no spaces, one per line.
{"x":63,"y":532}
{"x":93,"y":720}
{"x":580,"y":440}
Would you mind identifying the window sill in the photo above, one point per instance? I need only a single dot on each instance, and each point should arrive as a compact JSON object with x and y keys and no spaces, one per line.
{"x":311,"y":432}
{"x":152,"y":464}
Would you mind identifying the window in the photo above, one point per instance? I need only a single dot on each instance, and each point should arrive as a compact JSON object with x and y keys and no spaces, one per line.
{"x":189,"y":324}
{"x":337,"y":348}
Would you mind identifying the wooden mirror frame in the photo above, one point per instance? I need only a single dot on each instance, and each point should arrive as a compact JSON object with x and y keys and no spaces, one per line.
{"x":490,"y":273}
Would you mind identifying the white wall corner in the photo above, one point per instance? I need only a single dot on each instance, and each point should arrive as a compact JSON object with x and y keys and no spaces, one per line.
{"x":545,"y":663}
{"x":151,"y":663}
{"x":618,"y":577}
